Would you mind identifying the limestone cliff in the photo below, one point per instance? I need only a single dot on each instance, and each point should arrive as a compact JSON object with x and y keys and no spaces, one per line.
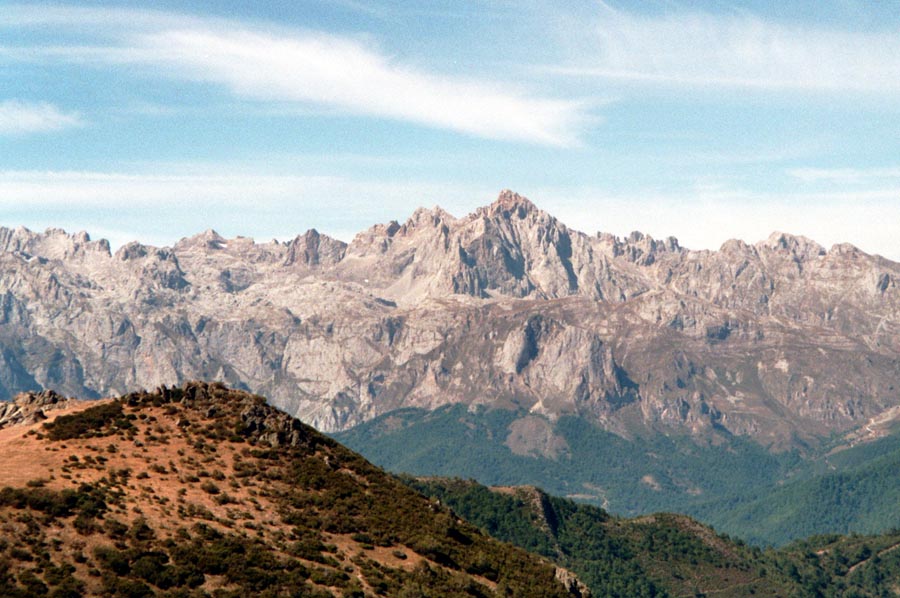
{"x":507,"y":306}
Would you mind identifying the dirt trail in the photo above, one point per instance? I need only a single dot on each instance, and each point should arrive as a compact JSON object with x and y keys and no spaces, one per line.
{"x":878,"y":554}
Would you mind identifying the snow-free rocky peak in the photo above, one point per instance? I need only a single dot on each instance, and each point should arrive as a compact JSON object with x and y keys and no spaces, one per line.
{"x":506,"y":306}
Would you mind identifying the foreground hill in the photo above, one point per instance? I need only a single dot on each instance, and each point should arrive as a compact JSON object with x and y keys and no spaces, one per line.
{"x":205,"y":491}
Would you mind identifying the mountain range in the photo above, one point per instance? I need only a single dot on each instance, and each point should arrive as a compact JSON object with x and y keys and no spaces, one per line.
{"x":573,"y":343}
{"x":782,"y":341}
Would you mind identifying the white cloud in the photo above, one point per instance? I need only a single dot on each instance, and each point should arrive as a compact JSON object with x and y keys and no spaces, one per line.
{"x":309,"y":68}
{"x":18,"y":118}
{"x":328,"y":70}
{"x":733,"y":51}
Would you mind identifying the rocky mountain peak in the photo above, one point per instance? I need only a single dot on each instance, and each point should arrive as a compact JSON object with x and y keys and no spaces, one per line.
{"x":314,"y":249}
{"x":643,"y":249}
{"x":734,"y":247}
{"x":53,"y":243}
{"x":846,"y":250}
{"x":510,"y":203}
{"x":210,"y":239}
{"x":434,"y":217}
{"x":797,"y":245}
{"x":132,"y":251}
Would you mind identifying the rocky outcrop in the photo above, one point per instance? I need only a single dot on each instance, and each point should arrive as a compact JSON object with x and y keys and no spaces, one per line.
{"x":31,"y":407}
{"x":258,"y":421}
{"x":783,"y":340}
{"x":312,"y":249}
{"x":573,"y":585}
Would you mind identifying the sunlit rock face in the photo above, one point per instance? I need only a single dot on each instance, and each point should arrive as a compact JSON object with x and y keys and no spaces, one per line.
{"x":783,"y":340}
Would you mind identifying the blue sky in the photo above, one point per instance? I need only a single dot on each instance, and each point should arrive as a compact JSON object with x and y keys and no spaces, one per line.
{"x":703,"y":120}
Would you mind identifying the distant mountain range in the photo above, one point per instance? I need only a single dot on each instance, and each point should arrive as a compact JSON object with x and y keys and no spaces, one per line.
{"x":784,"y":343}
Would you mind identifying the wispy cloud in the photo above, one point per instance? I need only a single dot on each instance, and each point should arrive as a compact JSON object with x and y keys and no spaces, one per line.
{"x":698,"y":49}
{"x":844,"y":175}
{"x":19,"y":118}
{"x":309,"y":68}
{"x":324,"y":69}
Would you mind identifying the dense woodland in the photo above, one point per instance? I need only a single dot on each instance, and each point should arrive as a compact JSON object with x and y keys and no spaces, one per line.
{"x":671,"y":555}
{"x":766,"y":498}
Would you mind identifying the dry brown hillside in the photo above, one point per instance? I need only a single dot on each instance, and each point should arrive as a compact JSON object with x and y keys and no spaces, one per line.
{"x":206,"y":491}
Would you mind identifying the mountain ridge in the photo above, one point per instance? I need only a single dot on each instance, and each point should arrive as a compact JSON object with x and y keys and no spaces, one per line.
{"x":505,"y":306}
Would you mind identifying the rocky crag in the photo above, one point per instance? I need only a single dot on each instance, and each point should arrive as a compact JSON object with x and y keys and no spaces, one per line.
{"x":784,"y":341}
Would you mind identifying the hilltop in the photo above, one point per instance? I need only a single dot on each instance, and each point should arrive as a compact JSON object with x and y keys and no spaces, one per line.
{"x":202,"y":490}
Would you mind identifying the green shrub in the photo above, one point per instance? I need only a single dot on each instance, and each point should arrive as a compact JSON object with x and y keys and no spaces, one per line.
{"x":99,"y":420}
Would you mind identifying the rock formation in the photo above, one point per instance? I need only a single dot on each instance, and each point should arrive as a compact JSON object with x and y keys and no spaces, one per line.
{"x":782,"y":340}
{"x":31,"y":407}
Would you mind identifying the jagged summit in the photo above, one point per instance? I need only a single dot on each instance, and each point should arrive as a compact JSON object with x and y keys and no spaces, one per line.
{"x":314,"y":249}
{"x":510,"y":202}
{"x":53,"y":243}
{"x":796,"y":244}
{"x":506,"y":305}
{"x":56,"y":243}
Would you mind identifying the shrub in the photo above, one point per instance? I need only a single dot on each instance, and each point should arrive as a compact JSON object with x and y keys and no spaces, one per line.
{"x":209,"y":488}
{"x":100,"y":420}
